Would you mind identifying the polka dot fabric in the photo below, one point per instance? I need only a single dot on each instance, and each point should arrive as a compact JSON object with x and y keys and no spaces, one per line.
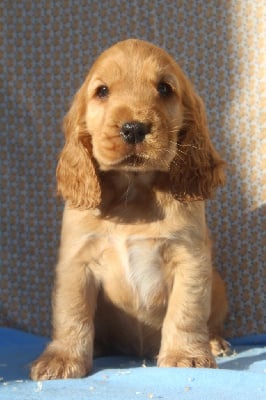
{"x":46,"y":51}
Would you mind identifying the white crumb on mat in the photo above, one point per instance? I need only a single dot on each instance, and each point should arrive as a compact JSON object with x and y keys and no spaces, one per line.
{"x":19,"y":381}
{"x":144,"y":365}
{"x":126,"y":372}
{"x":39,"y":387}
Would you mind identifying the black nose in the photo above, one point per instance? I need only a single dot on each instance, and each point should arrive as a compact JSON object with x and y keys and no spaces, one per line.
{"x":134,"y":131}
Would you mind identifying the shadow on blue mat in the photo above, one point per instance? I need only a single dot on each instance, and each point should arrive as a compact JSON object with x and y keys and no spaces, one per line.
{"x":19,"y":349}
{"x":241,"y":376}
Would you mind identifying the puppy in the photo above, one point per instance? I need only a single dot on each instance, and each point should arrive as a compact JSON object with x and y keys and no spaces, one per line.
{"x":135,"y":274}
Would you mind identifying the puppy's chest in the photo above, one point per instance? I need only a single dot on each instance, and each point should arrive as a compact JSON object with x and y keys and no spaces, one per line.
{"x":138,"y":263}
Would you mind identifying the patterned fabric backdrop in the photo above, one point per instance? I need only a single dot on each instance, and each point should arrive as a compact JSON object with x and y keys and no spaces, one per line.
{"x":47,"y":49}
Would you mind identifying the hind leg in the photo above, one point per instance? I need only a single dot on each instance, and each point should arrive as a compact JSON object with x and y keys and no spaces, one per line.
{"x":219,"y":310}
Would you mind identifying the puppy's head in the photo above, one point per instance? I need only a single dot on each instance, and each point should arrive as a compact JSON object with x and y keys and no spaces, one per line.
{"x":136,"y":111}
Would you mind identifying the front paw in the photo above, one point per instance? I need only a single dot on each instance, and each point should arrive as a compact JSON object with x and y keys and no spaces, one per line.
{"x":220,"y":347}
{"x":53,"y":365}
{"x":184,"y":360}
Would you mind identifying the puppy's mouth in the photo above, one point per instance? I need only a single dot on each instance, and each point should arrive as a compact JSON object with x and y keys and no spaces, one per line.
{"x":133,"y":161}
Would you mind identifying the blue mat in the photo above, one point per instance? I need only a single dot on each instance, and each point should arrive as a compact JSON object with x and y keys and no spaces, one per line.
{"x":242,"y":376}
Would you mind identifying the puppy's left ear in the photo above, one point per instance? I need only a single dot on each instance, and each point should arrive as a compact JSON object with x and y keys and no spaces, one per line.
{"x":197,"y":169}
{"x":77,"y":176}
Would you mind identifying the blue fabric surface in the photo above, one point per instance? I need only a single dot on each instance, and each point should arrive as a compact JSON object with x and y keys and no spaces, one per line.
{"x":242,"y":376}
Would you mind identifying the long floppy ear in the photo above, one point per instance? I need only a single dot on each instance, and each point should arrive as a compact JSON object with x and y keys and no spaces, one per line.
{"x":77,"y":179}
{"x":197,"y":169}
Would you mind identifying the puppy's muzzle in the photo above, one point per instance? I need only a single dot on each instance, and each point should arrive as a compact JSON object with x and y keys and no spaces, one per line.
{"x":134,"y":132}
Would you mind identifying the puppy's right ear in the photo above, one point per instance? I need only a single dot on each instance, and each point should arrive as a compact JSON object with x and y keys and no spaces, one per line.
{"x":77,"y":180}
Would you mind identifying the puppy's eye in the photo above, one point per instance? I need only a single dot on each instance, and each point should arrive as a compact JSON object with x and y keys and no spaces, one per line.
{"x":164,"y":89}
{"x":102,"y":91}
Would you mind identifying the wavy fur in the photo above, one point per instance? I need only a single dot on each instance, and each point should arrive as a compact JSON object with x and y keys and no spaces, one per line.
{"x":134,"y":273}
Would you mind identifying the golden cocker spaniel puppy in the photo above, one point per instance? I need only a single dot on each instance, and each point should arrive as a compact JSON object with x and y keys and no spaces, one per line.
{"x":135,"y":272}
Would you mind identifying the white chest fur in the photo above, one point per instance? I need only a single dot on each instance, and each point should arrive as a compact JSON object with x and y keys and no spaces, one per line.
{"x":141,"y":261}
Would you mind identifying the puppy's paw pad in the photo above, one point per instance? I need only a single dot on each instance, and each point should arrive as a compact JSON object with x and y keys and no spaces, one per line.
{"x":57,"y":367}
{"x":187,"y":362}
{"x":220,"y":347}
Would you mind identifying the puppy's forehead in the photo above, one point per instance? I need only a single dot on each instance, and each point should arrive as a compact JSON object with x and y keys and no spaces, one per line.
{"x":133,"y":58}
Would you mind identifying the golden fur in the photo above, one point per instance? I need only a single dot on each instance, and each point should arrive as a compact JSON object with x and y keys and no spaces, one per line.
{"x":134,"y":272}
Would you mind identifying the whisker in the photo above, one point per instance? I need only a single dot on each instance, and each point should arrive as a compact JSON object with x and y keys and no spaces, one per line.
{"x":186,"y":145}
{"x":177,"y":154}
{"x":125,"y":195}
{"x":180,"y":151}
{"x":176,"y":129}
